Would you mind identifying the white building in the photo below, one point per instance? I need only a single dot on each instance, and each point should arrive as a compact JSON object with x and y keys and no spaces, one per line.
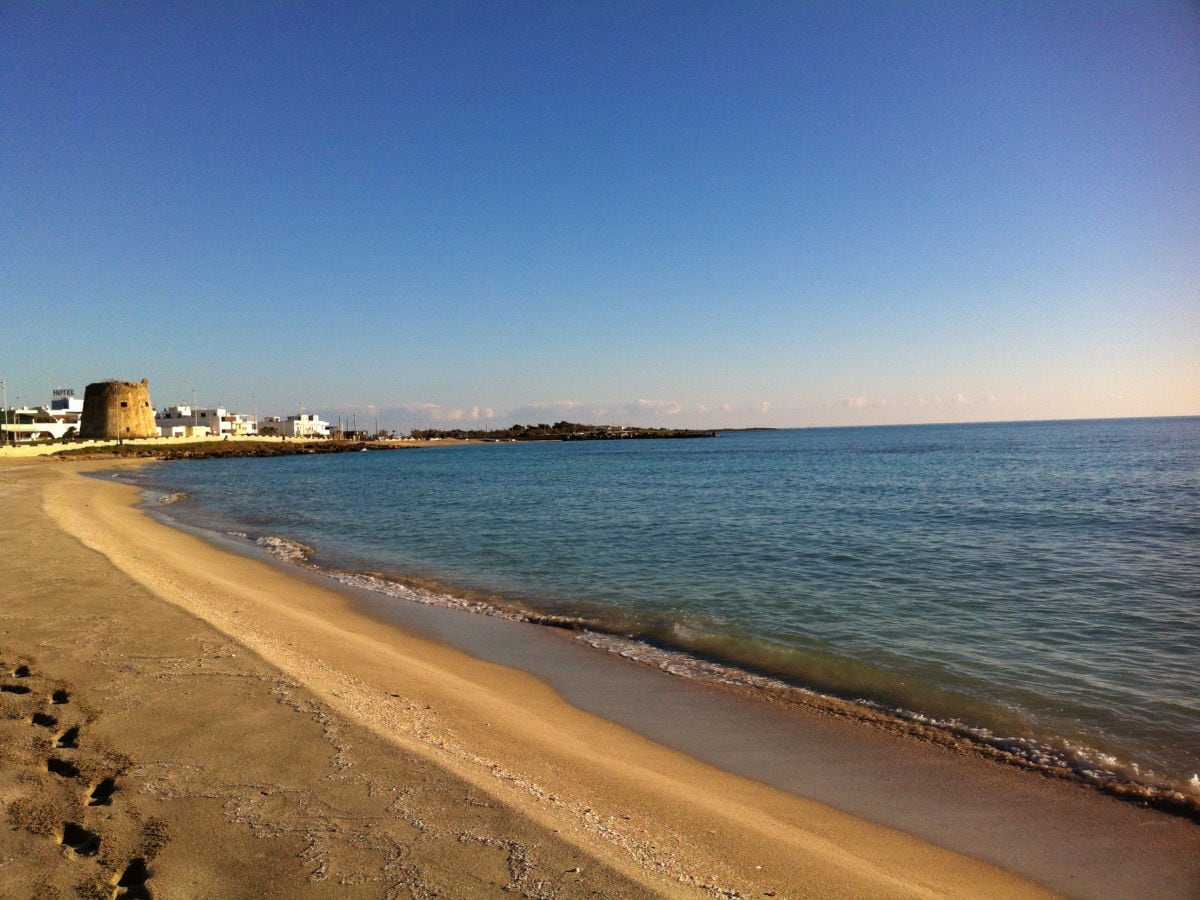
{"x":54,"y":422}
{"x":186,"y":421}
{"x":305,"y":425}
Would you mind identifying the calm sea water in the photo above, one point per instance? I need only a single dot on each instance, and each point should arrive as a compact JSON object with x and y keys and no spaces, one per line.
{"x":1037,"y":582}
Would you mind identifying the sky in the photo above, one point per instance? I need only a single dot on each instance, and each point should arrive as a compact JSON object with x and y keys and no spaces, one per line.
{"x":692,"y":214}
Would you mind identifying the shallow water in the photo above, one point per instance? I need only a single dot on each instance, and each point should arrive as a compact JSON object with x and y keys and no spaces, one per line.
{"x":1036,"y":582}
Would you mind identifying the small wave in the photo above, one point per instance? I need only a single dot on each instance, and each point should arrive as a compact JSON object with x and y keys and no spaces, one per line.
{"x":1109,"y":773}
{"x":1100,"y":770}
{"x":682,"y":664}
{"x":285,"y":548}
{"x":173,"y":497}
{"x":424,"y":596}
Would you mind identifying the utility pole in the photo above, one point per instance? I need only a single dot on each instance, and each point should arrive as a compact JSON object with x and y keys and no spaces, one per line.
{"x":4,"y":388}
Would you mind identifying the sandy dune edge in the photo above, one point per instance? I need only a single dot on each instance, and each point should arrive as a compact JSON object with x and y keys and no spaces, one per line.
{"x":273,"y":741}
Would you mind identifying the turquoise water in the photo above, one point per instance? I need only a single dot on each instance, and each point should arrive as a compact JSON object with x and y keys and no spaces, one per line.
{"x":1036,"y":583}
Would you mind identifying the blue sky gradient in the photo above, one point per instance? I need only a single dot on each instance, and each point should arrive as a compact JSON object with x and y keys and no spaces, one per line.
{"x":700,"y":214}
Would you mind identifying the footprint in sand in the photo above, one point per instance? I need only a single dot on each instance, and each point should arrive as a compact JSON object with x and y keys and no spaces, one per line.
{"x":44,"y":720}
{"x":83,"y":766}
{"x":62,"y":768}
{"x":101,"y":794}
{"x":79,"y":839}
{"x":132,"y":882}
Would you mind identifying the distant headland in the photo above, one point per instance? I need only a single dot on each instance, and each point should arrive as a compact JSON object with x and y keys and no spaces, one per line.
{"x":559,"y":431}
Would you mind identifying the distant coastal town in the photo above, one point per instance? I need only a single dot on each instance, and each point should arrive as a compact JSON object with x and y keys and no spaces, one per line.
{"x":122,"y":411}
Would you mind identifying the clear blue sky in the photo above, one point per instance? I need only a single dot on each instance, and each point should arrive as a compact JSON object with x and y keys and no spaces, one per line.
{"x":725,"y":214}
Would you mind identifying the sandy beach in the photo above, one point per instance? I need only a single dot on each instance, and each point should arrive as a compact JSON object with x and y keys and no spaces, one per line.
{"x":177,"y":720}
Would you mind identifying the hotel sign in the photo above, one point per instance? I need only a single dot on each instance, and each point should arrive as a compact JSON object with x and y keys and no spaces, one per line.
{"x":64,"y":392}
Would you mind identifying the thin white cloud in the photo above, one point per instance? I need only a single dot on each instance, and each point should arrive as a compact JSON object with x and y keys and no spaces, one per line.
{"x":658,"y":407}
{"x":555,"y":405}
{"x":433,"y":413}
{"x":553,"y":411}
{"x":643,"y":411}
{"x":470,"y":414}
{"x":648,"y":411}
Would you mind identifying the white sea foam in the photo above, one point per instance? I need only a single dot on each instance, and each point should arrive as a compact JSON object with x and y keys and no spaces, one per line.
{"x":678,"y":663}
{"x":285,"y":548}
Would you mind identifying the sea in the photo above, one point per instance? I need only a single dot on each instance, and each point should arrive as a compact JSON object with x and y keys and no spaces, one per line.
{"x":1032,"y":587}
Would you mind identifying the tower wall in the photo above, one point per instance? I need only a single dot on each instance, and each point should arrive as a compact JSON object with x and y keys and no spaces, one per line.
{"x":117,"y":409}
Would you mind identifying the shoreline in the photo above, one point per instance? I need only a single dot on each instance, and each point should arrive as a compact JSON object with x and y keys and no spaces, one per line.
{"x":1072,"y":765}
{"x":208,"y":447}
{"x":628,"y":804}
{"x":654,"y":643}
{"x":859,"y":759}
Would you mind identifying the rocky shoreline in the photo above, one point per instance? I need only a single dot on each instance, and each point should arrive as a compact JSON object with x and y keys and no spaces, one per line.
{"x":218,"y":449}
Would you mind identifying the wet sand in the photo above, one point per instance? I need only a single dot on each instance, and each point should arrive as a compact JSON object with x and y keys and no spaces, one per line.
{"x":255,"y":732}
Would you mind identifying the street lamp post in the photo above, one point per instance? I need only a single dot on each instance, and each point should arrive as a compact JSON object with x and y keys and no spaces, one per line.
{"x":4,"y":388}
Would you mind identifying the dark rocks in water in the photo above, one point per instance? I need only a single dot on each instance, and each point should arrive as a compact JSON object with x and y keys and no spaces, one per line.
{"x":221,"y":449}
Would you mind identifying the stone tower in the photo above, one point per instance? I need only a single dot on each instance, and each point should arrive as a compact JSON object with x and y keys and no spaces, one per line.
{"x":117,"y":409}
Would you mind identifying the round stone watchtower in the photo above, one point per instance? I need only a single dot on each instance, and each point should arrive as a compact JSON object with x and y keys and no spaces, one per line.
{"x":117,"y":409}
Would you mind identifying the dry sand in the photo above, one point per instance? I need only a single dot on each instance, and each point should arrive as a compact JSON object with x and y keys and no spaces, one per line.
{"x":180,"y":721}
